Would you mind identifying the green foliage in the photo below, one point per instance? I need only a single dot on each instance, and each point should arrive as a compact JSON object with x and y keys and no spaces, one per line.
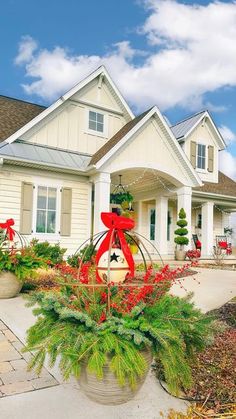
{"x":182,"y":223}
{"x":86,"y":253}
{"x":53,"y":253}
{"x":181,"y":232}
{"x":2,"y":236}
{"x":119,"y":197}
{"x":181,"y":240}
{"x":21,"y":262}
{"x":172,"y":328}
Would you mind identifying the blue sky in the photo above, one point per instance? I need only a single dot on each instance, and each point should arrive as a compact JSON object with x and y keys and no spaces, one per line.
{"x":179,"y":55}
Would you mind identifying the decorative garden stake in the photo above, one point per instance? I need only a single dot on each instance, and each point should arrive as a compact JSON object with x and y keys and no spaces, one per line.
{"x":114,"y":259}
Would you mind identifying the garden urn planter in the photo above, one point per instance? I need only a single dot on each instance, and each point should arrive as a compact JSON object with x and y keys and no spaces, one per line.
{"x":180,"y":255}
{"x":10,"y":286}
{"x":107,"y":390}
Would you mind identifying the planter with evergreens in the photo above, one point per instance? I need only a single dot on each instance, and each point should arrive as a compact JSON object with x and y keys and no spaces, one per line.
{"x":106,"y":336}
{"x":181,"y":232}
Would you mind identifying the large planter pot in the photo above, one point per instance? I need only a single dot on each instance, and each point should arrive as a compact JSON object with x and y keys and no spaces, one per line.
{"x":180,"y":254}
{"x":10,"y":286}
{"x":107,"y":390}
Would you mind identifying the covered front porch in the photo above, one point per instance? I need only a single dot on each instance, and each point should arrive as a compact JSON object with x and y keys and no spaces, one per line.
{"x":158,"y":198}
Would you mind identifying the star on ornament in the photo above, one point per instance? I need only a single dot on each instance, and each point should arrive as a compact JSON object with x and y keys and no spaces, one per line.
{"x":114,"y":257}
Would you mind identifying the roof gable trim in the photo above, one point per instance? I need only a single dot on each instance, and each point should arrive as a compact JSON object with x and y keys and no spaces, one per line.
{"x":153,"y":112}
{"x":100,"y":71}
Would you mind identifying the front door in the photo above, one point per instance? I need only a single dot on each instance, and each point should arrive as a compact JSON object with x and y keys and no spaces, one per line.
{"x":151,"y":226}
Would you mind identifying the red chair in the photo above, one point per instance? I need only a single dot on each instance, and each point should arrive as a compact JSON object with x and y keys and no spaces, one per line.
{"x":223,"y":244}
{"x":197,"y":242}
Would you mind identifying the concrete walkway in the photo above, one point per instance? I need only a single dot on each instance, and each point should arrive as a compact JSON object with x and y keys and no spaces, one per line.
{"x":67,"y":401}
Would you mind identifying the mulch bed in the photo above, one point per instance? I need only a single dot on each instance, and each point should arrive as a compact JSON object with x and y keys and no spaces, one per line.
{"x":214,"y":369}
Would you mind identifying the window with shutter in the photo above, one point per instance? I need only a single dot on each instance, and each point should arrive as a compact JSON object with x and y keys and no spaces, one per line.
{"x":26,"y":208}
{"x":210,"y":158}
{"x":66,"y":208}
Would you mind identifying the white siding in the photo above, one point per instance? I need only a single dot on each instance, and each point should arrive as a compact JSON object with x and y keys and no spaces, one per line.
{"x":203,"y":134}
{"x":67,"y":127}
{"x":11,"y":179}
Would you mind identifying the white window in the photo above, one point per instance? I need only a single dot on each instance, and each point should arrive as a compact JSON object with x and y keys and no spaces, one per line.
{"x":46,"y":209}
{"x":96,"y":121}
{"x":201,"y":156}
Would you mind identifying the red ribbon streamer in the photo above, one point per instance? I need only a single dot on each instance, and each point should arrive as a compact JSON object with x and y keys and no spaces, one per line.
{"x":116,"y":225}
{"x":10,"y":233}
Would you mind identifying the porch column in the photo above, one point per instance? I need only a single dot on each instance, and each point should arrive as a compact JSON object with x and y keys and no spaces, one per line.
{"x":185,"y":201}
{"x":140,"y":217}
{"x":207,"y":228}
{"x":161,"y":224}
{"x":102,"y":183}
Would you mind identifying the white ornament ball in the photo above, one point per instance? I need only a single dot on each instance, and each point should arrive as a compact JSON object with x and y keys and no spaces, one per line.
{"x":118,"y":266}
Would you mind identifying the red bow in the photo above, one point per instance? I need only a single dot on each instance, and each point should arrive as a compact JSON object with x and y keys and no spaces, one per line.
{"x":10,"y":233}
{"x":116,"y":225}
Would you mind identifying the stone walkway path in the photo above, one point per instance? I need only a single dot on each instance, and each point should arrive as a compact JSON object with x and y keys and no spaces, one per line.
{"x":14,"y":377}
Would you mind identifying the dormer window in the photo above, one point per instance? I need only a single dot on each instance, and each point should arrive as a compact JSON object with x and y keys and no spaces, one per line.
{"x":96,"y":121}
{"x":201,"y":156}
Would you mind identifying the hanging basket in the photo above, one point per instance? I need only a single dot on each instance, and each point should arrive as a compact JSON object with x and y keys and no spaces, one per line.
{"x":107,"y":390}
{"x":10,"y":286}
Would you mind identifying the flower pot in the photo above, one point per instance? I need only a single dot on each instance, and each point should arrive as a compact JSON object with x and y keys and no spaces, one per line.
{"x":10,"y":286}
{"x":107,"y":390}
{"x":180,"y":254}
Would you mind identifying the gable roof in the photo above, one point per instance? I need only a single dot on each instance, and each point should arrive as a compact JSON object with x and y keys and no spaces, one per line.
{"x":116,"y":138}
{"x":130,"y":129}
{"x":183,"y":129}
{"x":99,"y":71}
{"x":14,"y":114}
{"x":225,"y":186}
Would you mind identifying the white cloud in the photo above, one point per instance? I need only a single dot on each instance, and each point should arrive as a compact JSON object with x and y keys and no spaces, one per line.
{"x":192,"y":52}
{"x":228,"y":135}
{"x":27,"y":47}
{"x":228,"y":164}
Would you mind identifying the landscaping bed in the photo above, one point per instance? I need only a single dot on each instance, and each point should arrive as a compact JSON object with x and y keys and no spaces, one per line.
{"x":214,"y":371}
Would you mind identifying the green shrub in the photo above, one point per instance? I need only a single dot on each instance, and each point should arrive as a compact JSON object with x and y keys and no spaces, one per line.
{"x":181,"y":232}
{"x":22,"y":262}
{"x":86,"y":253}
{"x":52,"y":253}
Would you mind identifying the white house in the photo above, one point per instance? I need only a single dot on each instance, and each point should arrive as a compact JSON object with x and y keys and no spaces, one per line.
{"x":58,"y":166}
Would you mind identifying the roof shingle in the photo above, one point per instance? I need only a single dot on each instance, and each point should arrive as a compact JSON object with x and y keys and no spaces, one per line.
{"x":225,"y":186}
{"x":14,"y":114}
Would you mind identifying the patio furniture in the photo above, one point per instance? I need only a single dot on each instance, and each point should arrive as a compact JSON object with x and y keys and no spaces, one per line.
{"x":197,"y":243}
{"x":223,"y":243}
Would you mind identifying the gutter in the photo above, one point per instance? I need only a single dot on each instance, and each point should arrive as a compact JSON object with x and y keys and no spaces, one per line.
{"x":230,"y":197}
{"x":44,"y":165}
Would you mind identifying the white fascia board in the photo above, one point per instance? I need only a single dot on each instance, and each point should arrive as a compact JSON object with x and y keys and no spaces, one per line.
{"x":221,"y":142}
{"x":212,"y":195}
{"x":62,"y":99}
{"x":26,"y":162}
{"x":129,"y":134}
{"x":154,"y":111}
{"x":178,"y":147}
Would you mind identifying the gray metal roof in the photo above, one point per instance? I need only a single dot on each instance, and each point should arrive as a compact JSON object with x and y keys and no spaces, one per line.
{"x":44,"y":155}
{"x":183,"y":127}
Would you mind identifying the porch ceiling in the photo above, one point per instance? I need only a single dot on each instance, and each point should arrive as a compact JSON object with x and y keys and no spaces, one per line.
{"x":137,"y":181}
